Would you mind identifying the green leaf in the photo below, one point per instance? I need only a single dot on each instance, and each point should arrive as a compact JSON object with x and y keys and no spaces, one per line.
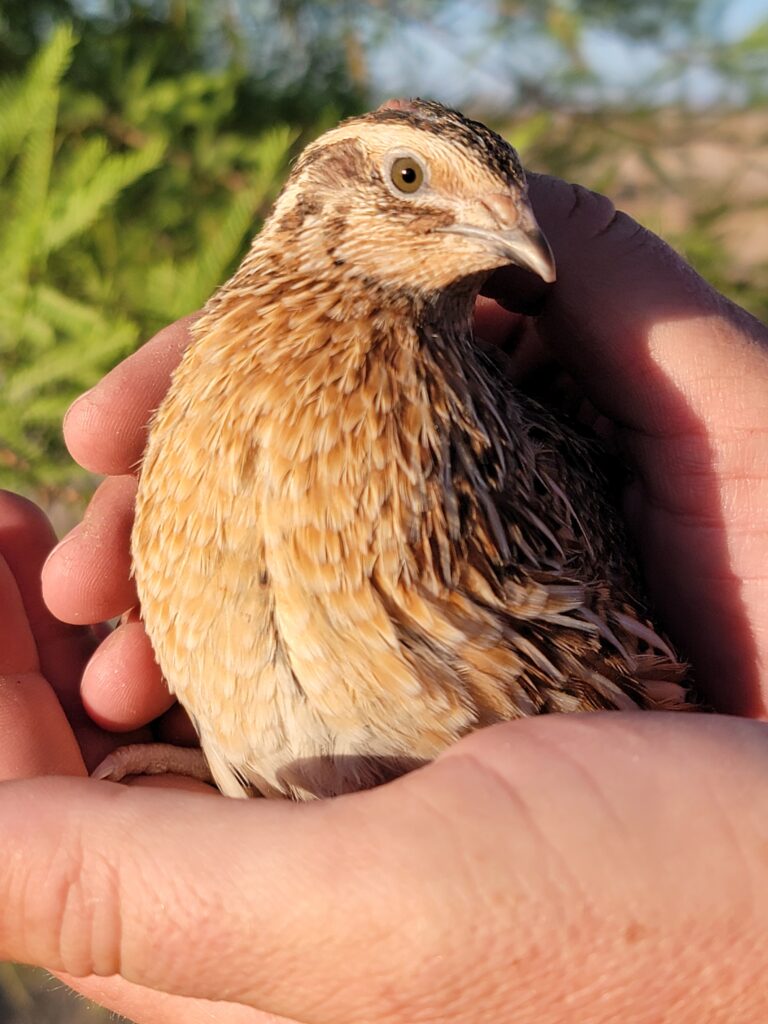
{"x":72,"y":209}
{"x":22,"y":100}
{"x":38,"y":100}
{"x":174,"y":288}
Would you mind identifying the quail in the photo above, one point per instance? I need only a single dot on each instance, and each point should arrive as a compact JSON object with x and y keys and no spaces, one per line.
{"x":354,"y":541}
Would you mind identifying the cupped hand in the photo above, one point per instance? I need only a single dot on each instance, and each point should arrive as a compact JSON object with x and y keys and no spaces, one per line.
{"x":680,"y":375}
{"x":567,"y":869}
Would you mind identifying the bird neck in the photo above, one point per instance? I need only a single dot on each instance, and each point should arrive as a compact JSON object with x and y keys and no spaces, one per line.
{"x":324,"y":327}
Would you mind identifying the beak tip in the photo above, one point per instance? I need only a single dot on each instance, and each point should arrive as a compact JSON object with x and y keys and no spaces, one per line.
{"x":523,"y":241}
{"x":549,"y":274}
{"x":536,"y":254}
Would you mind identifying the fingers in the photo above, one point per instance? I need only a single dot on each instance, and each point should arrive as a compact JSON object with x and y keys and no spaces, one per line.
{"x":45,"y":728}
{"x":26,"y":537}
{"x":36,"y":737}
{"x":122,"y":686}
{"x":594,"y":860}
{"x":106,"y":428}
{"x":88,"y":577}
{"x":18,"y":651}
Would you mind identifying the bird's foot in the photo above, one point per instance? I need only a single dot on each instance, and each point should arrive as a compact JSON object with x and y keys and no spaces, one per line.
{"x":154,"y":759}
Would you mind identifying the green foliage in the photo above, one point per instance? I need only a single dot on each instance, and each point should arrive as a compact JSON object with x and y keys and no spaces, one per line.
{"x":83,"y":279}
{"x":285,"y":62}
{"x":52,"y":344}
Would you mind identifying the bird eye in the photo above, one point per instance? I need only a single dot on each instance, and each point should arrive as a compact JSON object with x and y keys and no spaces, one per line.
{"x":407,"y":174}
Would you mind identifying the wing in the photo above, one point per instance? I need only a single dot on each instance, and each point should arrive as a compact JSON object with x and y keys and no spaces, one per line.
{"x":528,"y":595}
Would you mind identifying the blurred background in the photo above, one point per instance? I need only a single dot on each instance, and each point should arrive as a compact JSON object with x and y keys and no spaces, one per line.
{"x":142,"y":142}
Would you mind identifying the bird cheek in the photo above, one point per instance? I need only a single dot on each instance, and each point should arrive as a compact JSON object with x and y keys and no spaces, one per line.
{"x":455,"y":258}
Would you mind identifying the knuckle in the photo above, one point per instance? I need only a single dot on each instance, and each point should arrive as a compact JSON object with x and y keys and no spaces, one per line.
{"x":63,"y":907}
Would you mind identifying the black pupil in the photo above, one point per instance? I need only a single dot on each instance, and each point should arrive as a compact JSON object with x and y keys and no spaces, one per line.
{"x":408,"y":174}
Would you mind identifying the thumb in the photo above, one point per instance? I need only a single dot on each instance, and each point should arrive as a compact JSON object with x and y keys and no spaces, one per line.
{"x":644,"y":333}
{"x":537,"y":866}
{"x":283,"y":908}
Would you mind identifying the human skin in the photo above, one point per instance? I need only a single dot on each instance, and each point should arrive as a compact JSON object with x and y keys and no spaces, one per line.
{"x":585,"y":868}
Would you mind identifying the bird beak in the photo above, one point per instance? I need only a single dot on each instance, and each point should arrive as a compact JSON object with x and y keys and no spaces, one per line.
{"x":515,"y":235}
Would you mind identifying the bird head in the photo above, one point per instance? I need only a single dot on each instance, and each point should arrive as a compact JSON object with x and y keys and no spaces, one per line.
{"x":412,"y":197}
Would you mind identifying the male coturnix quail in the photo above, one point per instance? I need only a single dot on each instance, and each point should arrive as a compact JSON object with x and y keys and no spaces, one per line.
{"x":354,"y":542}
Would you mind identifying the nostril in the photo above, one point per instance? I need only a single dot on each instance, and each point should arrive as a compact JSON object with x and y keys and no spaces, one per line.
{"x":504,"y":208}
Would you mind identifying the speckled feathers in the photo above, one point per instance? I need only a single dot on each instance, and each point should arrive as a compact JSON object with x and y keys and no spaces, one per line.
{"x":354,"y":543}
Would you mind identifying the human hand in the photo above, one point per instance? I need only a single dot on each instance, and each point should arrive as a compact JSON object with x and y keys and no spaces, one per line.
{"x":569,"y":868}
{"x":45,"y":730}
{"x":584,"y":868}
{"x":44,"y":726}
{"x":587,"y":821}
{"x":41,"y":659}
